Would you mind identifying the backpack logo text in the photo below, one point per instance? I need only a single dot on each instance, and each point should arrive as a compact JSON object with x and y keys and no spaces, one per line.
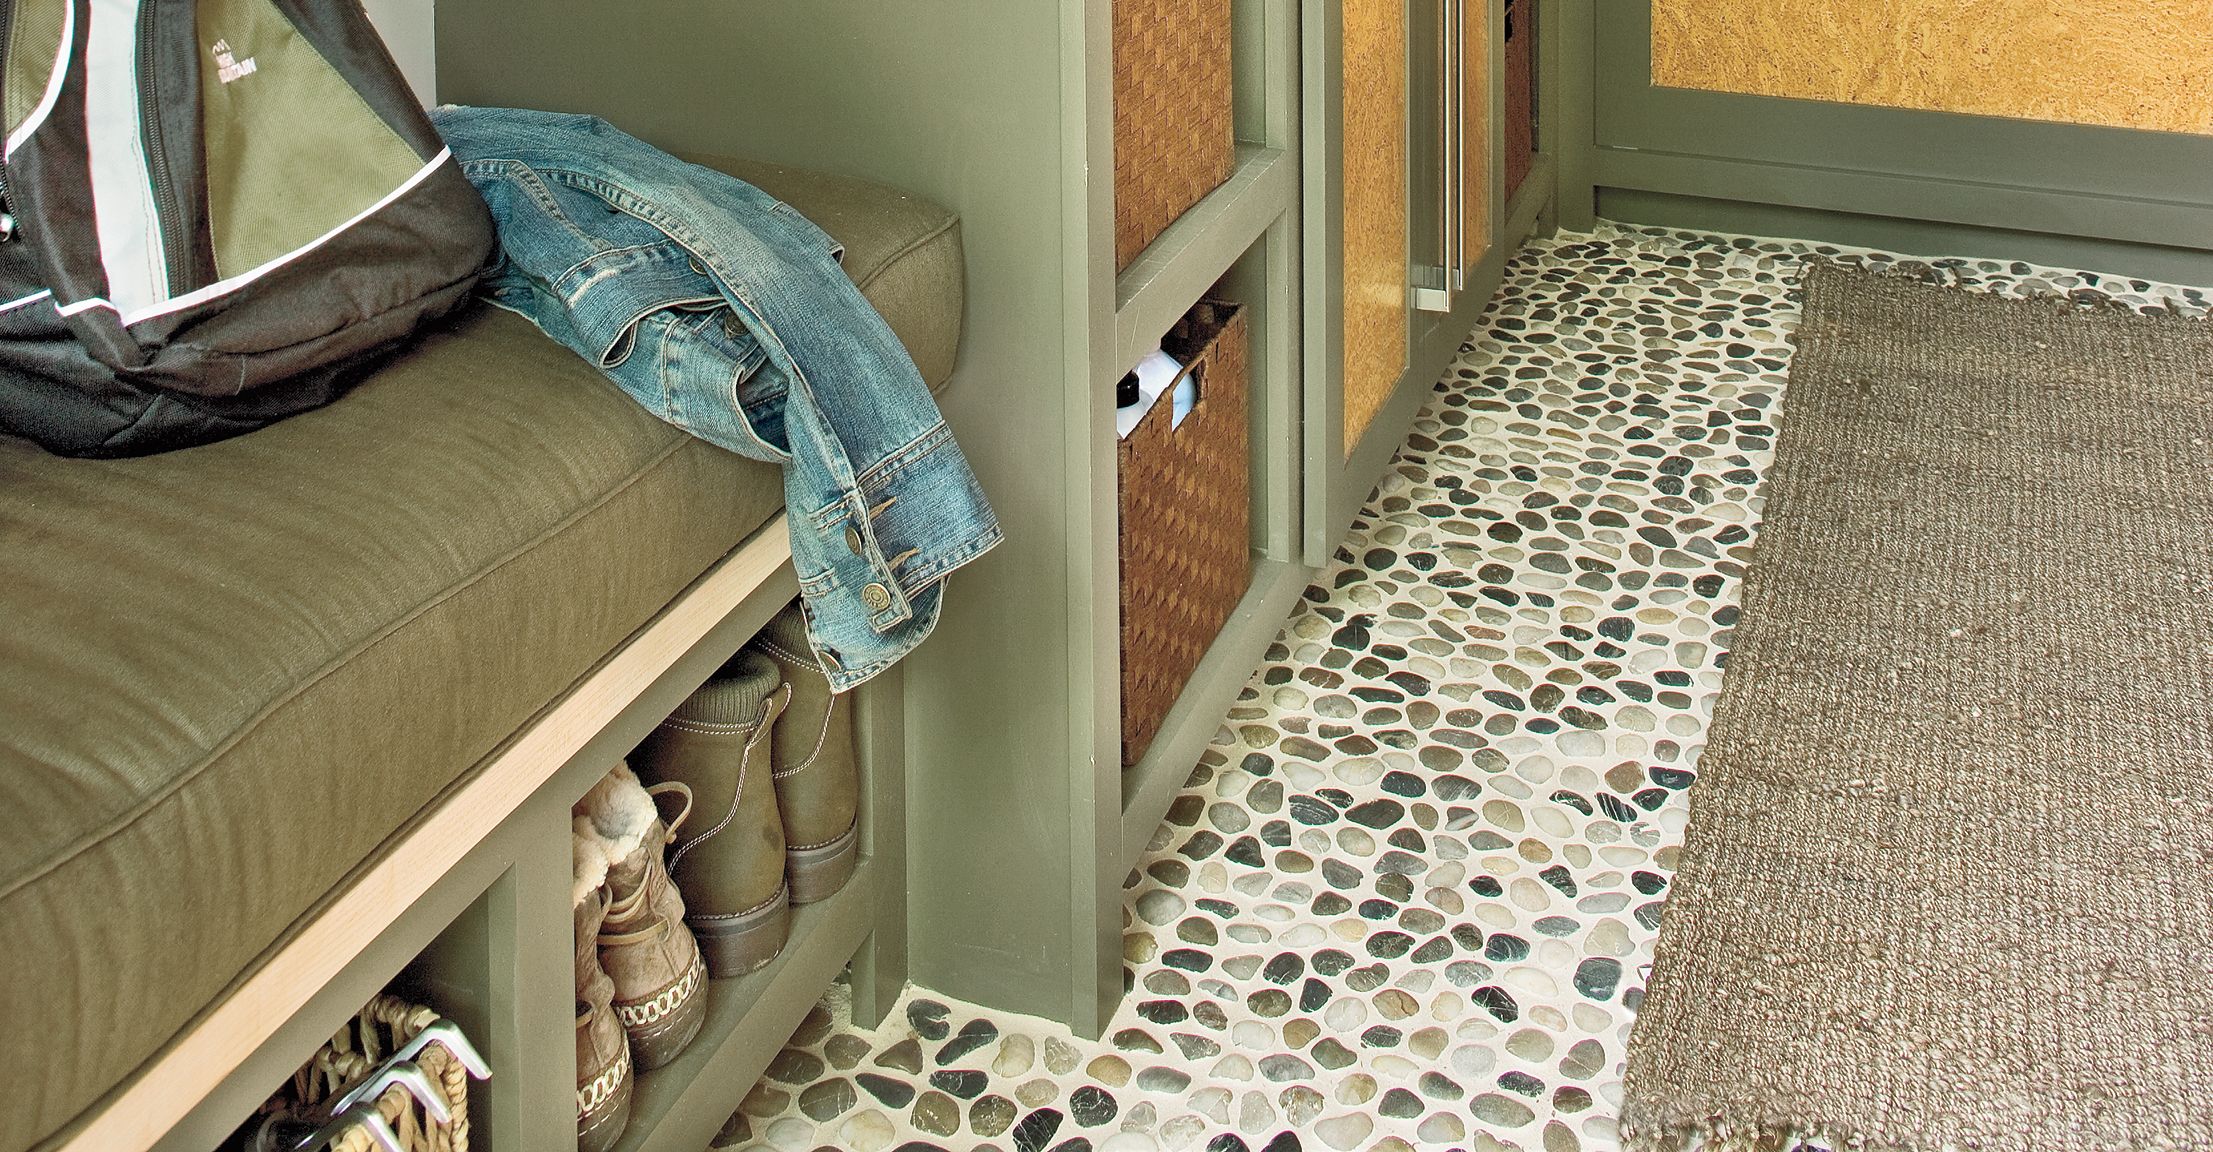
{"x":228,"y":69}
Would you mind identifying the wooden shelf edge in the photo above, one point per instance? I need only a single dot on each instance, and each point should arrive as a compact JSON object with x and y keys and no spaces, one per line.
{"x":1151,"y":785}
{"x":164,"y":1090}
{"x":679,"y":1107}
{"x":1197,"y":250}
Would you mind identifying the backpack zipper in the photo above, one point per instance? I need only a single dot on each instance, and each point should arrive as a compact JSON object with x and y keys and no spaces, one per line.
{"x":168,"y":209}
{"x":7,"y":205}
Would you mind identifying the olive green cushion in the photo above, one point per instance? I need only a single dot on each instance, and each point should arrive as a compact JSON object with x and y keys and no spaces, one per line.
{"x":228,"y":674}
{"x":903,"y":251}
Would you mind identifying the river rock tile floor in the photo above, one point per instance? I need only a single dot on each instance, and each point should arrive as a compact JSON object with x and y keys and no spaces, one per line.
{"x":1407,"y":898}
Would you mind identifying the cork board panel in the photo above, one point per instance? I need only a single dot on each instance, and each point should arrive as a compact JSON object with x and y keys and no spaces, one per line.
{"x":1375,"y":209}
{"x":1475,"y":115}
{"x":2116,"y":63}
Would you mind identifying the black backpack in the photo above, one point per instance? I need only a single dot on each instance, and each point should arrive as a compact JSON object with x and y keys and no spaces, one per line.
{"x":219,"y":213}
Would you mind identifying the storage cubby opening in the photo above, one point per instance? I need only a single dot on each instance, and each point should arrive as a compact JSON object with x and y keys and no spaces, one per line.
{"x":425,"y":1037}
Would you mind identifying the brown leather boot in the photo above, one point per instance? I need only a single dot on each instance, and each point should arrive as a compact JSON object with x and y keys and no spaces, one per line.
{"x":729,"y":863}
{"x":817,"y":774}
{"x":604,"y":1076}
{"x":660,"y":981}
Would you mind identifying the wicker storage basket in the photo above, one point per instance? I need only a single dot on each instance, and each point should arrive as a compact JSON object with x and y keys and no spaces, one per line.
{"x":382,"y":1027}
{"x":1174,"y":141}
{"x":1186,"y":500}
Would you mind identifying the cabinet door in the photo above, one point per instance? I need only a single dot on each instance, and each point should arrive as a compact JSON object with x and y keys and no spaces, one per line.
{"x":1477,"y":128}
{"x":1401,"y":210}
{"x":1374,"y":166}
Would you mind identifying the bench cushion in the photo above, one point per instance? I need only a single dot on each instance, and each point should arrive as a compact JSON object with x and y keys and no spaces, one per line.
{"x":228,"y":674}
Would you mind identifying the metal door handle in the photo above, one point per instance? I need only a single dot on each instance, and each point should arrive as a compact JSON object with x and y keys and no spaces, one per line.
{"x":1456,"y":98}
{"x":1451,"y":133}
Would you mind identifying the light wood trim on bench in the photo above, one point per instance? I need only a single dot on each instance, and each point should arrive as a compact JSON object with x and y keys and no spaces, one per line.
{"x":193,"y":1065}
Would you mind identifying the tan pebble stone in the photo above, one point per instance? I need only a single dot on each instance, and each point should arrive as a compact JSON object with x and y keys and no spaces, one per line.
{"x":1110,"y":1070}
{"x":1345,"y":1132}
{"x":1394,"y":1004}
{"x":1299,"y":1033}
{"x":1182,"y":1132}
{"x":1531,"y":1044}
{"x":1356,"y":1089}
{"x":1441,"y":1128}
{"x":1394,"y":1067}
{"x":1592,"y":1018}
{"x":1559,"y":1137}
{"x":1255,"y":1114}
{"x":1139,"y":947}
{"x":1037,"y":1093}
{"x":1428,"y":1043}
{"x":1624,"y":855}
{"x":1346,"y":1013}
{"x":1608,"y":937}
{"x":1625,"y":777}
{"x":866,"y":1131}
{"x":1351,"y":931}
{"x":1448,"y":1006}
{"x":1505,"y":815}
{"x":1530,"y":895}
{"x":1300,"y":1105}
{"x":1578,"y":855}
{"x":1535,"y":851}
{"x":790,"y":1134}
{"x":1016,"y":1053}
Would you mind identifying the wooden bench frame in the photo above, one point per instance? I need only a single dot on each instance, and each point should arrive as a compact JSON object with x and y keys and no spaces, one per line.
{"x":471,"y":903}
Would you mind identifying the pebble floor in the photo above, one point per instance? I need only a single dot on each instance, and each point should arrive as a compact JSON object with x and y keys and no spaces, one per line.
{"x":1408,"y":897}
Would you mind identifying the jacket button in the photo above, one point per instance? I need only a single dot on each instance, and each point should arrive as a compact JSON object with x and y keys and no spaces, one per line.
{"x":732,"y":326}
{"x":853,"y":539}
{"x":697,"y":267}
{"x":876,"y":598}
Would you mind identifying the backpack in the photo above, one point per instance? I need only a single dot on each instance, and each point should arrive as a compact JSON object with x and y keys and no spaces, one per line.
{"x":218,"y":213}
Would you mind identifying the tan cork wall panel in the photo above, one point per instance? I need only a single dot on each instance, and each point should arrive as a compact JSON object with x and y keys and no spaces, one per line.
{"x":1475,"y":95}
{"x":1375,"y":208}
{"x":2119,"y":63}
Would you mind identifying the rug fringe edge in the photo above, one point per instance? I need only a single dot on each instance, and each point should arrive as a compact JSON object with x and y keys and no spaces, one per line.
{"x":1718,"y":1133}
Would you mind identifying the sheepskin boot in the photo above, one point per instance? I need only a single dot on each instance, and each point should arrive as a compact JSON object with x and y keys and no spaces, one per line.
{"x":817,"y":776}
{"x":660,"y":980}
{"x":604,"y":1076}
{"x":728,"y":863}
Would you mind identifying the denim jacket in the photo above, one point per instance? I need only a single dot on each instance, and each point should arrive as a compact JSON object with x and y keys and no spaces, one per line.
{"x":724,"y":311}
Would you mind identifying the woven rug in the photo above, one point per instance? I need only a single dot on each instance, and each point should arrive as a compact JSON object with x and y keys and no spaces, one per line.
{"x":1948,"y":881}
